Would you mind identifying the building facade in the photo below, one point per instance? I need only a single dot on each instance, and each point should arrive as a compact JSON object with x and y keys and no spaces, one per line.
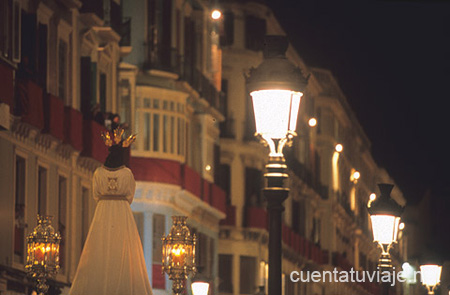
{"x":64,"y":65}
{"x":176,"y":77}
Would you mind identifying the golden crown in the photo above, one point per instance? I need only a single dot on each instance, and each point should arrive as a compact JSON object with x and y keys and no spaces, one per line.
{"x":117,"y":138}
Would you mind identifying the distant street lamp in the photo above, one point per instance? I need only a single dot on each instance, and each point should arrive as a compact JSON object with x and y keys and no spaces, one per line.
{"x":200,"y":288}
{"x":43,"y":253}
{"x":385,"y":215}
{"x":276,"y":87}
{"x":178,"y":253}
{"x":431,"y":276}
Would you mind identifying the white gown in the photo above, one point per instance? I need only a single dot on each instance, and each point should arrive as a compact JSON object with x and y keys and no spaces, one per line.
{"x":112,"y":261}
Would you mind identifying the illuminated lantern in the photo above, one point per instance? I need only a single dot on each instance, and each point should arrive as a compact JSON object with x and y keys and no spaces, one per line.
{"x":43,"y":253}
{"x":385,"y":215}
{"x":431,"y":276}
{"x":276,"y":87}
{"x":200,"y":288}
{"x":179,"y":253}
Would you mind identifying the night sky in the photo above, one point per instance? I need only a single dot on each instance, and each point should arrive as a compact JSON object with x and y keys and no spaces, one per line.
{"x":392,"y":61}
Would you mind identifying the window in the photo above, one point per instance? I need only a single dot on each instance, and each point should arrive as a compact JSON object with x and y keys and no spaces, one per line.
{"x":255,"y":31}
{"x":85,"y":196}
{"x":19,"y":224}
{"x":159,"y":225}
{"x":42,"y":55}
{"x":253,"y":184}
{"x":62,"y":69}
{"x":10,"y":30}
{"x":160,"y":33}
{"x":88,"y":85}
{"x":163,"y":126}
{"x":227,"y":29}
{"x":62,"y":217}
{"x":103,"y":92}
{"x":205,"y":253}
{"x":225,"y":273}
{"x":42,"y":191}
{"x":125,"y":101}
{"x":139,"y":219}
{"x":248,"y":275}
{"x":224,"y":179}
{"x":298,"y":216}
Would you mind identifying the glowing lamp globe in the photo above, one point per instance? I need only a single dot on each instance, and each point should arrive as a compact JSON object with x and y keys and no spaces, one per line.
{"x":200,"y":288}
{"x":431,"y":276}
{"x":216,"y":14}
{"x":276,"y":87}
{"x":385,"y":216}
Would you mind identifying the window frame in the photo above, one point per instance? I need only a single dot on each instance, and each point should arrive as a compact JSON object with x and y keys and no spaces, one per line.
{"x":170,"y":105}
{"x":23,"y":155}
{"x":46,"y":166}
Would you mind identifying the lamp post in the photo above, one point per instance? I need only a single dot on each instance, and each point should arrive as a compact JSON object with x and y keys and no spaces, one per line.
{"x":43,"y":253}
{"x":385,"y":215}
{"x":178,"y":253}
{"x":276,"y":87}
{"x":431,"y":276}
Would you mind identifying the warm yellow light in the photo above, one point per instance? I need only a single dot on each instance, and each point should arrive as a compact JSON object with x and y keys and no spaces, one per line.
{"x":216,"y":14}
{"x":372,"y":198}
{"x":312,"y":122}
{"x":208,"y":167}
{"x":178,"y":254}
{"x":430,"y":274}
{"x":335,"y":170}
{"x":339,"y":148}
{"x":353,"y":198}
{"x":401,"y":226}
{"x":356,"y":175}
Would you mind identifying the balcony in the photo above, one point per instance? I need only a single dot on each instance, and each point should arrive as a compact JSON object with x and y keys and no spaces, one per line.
{"x":94,"y":146}
{"x":218,"y":198}
{"x":30,"y":103}
{"x":256,"y":217}
{"x":53,"y":114}
{"x":230,"y":219}
{"x":73,"y":123}
{"x":168,"y":59}
{"x":172,"y":172}
{"x":192,"y":181}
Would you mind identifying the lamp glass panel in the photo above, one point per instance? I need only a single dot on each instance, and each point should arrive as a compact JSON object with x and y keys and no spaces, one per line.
{"x":200,"y":288}
{"x":385,"y":228}
{"x":295,"y":107}
{"x":276,"y":111}
{"x":431,"y":274}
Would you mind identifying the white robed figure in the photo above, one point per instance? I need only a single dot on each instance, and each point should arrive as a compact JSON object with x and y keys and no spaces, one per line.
{"x":112,"y":261}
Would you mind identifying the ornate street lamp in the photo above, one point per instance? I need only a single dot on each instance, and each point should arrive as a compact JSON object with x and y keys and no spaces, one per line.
{"x":43,"y":253}
{"x":385,"y":215}
{"x":276,"y":87}
{"x":431,"y":276}
{"x":179,"y":253}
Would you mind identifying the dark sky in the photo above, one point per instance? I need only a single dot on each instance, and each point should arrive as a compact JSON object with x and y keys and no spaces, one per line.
{"x":392,"y":61}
